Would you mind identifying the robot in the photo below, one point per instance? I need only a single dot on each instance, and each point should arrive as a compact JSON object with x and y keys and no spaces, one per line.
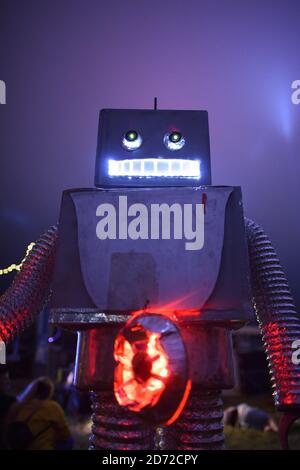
{"x":155,"y":268}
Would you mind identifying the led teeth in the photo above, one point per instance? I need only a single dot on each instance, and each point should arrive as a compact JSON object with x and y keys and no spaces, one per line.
{"x":155,"y":167}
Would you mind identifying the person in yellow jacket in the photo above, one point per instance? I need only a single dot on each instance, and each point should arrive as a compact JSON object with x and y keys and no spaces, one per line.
{"x":44,"y":420}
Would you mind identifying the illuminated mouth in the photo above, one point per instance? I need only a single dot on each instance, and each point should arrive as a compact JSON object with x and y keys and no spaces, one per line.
{"x":155,"y":167}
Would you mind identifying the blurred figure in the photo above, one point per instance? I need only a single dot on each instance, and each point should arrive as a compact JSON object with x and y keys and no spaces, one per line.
{"x":73,"y":401}
{"x":246,"y":416}
{"x":6,"y":400}
{"x":37,"y":422}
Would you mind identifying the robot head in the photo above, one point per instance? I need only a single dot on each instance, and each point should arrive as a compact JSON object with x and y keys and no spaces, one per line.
{"x":140,"y":148}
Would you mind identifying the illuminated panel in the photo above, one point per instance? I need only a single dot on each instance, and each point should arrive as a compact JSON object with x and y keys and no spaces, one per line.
{"x":152,"y":371}
{"x":155,"y":167}
{"x":142,"y":371}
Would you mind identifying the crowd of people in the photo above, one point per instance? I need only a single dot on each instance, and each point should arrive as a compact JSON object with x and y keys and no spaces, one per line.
{"x":32,"y":420}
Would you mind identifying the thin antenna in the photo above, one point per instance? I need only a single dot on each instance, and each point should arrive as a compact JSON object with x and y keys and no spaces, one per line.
{"x":155,"y":103}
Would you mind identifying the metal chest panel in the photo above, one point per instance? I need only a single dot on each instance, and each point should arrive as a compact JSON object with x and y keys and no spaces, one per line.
{"x":129,"y":274}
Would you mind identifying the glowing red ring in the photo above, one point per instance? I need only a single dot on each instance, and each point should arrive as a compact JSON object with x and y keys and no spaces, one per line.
{"x":151,"y":376}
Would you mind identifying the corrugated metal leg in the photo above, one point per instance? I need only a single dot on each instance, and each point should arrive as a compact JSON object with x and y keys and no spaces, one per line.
{"x":115,"y":428}
{"x":199,"y":427}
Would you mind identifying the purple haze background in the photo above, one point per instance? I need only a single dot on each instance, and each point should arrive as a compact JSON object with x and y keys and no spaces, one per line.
{"x":62,"y":61}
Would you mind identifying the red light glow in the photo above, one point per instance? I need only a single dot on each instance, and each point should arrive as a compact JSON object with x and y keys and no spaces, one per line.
{"x":142,"y":370}
{"x":182,"y":403}
{"x":274,"y":336}
{"x":173,"y":310}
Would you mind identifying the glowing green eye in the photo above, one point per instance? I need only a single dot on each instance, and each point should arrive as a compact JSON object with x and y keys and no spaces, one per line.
{"x":174,"y":140}
{"x":131,"y":140}
{"x":131,"y":136}
{"x":175,"y":137}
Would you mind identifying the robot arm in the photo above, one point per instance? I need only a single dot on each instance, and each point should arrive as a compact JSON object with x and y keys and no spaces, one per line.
{"x":27,"y":295}
{"x":279,"y":324}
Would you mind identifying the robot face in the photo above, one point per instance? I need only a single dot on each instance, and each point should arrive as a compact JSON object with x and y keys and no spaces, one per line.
{"x":140,"y":148}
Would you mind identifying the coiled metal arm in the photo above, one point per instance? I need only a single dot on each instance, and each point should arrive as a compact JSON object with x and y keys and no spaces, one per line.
{"x":279,"y":323}
{"x":28,"y":293}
